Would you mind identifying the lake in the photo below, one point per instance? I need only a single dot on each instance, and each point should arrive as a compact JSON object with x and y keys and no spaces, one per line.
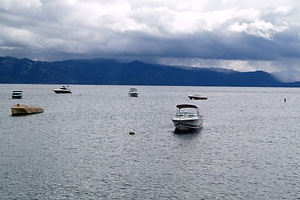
{"x":79,"y":148}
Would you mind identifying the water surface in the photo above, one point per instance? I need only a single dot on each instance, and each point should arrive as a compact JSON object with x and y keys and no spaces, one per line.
{"x":79,"y":148}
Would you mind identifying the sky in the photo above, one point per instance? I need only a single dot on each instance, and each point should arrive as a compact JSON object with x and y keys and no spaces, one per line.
{"x":243,"y":35}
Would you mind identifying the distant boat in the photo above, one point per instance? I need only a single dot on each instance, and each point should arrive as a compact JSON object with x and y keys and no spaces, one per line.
{"x":62,"y":90}
{"x":20,"y":109}
{"x":133,"y":92}
{"x":17,"y":94}
{"x":187,"y":117}
{"x":197,"y":97}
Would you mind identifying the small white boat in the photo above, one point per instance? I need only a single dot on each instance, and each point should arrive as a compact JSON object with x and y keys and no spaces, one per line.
{"x":17,"y":94}
{"x":197,"y":97}
{"x":133,"y":92}
{"x":20,"y":109}
{"x":187,"y":117}
{"x":62,"y":90}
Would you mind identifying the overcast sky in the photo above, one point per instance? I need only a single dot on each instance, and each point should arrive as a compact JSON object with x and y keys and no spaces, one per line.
{"x":242,"y":35}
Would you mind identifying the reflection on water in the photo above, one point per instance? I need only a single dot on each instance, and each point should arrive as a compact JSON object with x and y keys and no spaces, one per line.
{"x":187,"y":134}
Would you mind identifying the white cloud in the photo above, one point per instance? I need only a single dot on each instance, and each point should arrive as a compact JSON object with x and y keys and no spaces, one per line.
{"x":258,"y":28}
{"x":17,"y":4}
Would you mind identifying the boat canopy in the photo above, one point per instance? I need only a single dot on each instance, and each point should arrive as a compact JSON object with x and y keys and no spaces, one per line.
{"x":186,"y":106}
{"x":132,"y":90}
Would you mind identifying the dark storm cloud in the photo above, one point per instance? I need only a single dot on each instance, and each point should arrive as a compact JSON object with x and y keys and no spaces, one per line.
{"x":193,"y":31}
{"x":224,"y":45}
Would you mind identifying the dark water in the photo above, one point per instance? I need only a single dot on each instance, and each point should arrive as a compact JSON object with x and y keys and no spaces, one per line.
{"x":79,"y":148}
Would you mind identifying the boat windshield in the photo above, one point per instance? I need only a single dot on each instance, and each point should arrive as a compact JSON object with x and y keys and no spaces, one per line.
{"x":185,"y":114}
{"x":185,"y":110}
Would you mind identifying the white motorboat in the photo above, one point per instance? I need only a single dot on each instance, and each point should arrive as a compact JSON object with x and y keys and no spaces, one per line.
{"x":62,"y":90}
{"x":197,"y":97}
{"x":17,"y":94}
{"x":133,"y":92}
{"x":187,"y":117}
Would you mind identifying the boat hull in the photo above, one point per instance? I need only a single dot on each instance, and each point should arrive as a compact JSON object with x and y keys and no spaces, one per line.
{"x":62,"y":91}
{"x":25,"y":110}
{"x":16,"y":96}
{"x":197,"y":98}
{"x":187,"y":124}
{"x":133,"y":94}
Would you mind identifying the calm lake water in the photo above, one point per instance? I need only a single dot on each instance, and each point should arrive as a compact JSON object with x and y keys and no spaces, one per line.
{"x":79,"y":148}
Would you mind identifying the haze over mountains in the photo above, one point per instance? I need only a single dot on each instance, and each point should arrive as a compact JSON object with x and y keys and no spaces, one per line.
{"x":112,"y":72}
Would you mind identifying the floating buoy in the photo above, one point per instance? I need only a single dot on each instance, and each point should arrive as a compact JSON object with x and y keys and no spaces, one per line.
{"x":131,"y":132}
{"x":284,"y":99}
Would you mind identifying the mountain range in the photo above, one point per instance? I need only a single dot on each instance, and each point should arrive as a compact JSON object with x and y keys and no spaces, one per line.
{"x":111,"y":72}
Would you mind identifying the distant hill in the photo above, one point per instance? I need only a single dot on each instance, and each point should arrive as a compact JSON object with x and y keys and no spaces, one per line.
{"x":112,"y":72}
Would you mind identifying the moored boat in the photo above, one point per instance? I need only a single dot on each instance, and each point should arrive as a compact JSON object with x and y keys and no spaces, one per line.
{"x":62,"y":90}
{"x":133,"y":92}
{"x":187,"y":117}
{"x":197,"y":97}
{"x":20,"y":109}
{"x":17,"y":94}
